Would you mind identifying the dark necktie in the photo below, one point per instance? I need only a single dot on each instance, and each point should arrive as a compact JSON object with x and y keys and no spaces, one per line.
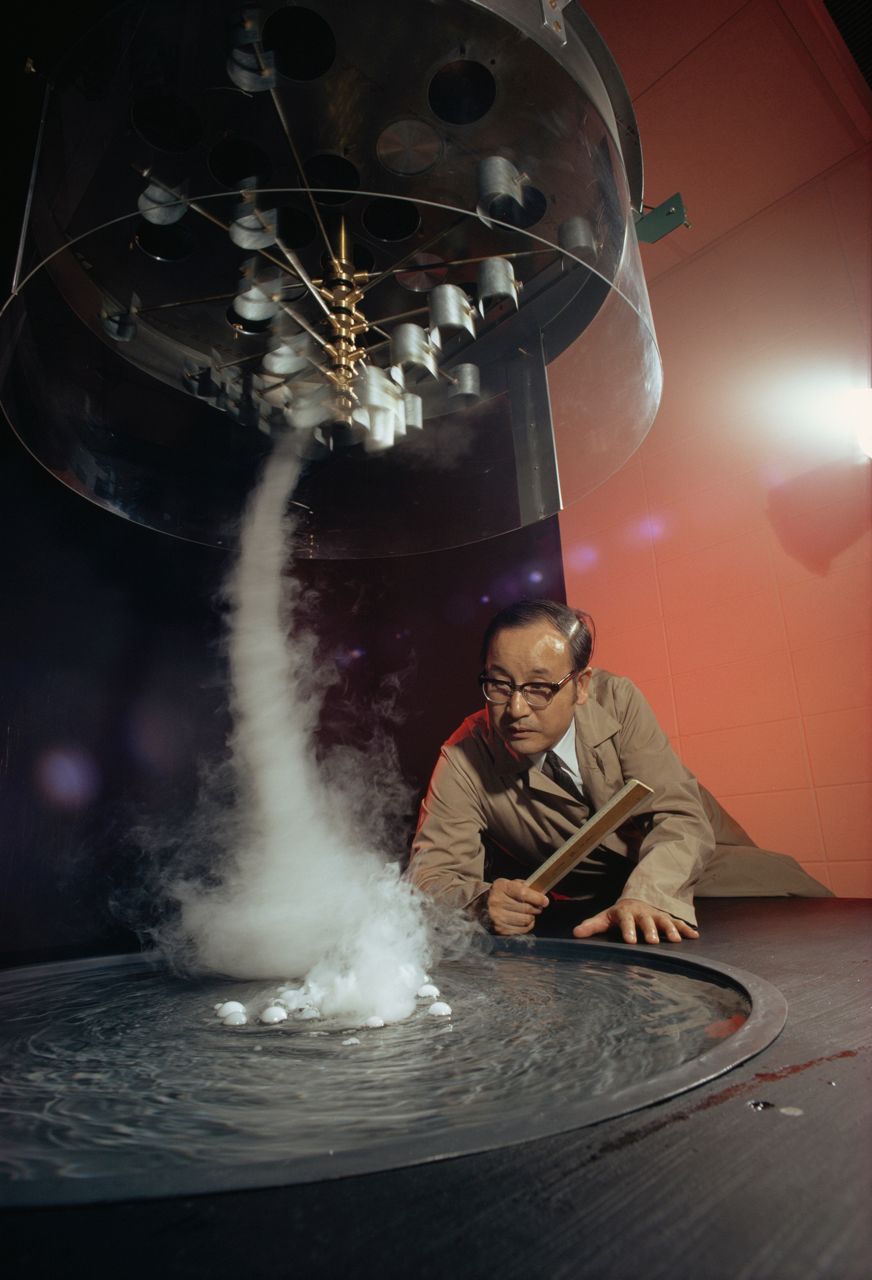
{"x":557,"y":771}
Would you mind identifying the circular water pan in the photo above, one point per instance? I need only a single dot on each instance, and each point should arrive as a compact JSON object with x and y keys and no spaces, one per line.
{"x":125,"y":1085}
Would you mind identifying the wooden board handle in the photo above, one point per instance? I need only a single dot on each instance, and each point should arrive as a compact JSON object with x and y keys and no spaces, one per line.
{"x":587,"y":837}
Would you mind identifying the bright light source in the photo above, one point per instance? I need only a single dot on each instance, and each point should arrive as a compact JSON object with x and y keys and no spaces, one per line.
{"x":855,"y":408}
{"x":817,"y":411}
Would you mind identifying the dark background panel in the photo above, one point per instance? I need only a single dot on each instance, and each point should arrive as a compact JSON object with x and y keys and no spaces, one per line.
{"x":113,"y":683}
{"x":113,"y":698}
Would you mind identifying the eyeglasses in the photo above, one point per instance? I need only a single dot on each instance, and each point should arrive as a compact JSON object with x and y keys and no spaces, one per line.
{"x":536,"y":693}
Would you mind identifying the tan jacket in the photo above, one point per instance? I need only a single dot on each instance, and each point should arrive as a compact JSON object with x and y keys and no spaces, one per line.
{"x":678,"y":842}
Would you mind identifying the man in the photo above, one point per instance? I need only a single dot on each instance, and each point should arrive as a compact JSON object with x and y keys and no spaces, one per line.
{"x":556,"y":740}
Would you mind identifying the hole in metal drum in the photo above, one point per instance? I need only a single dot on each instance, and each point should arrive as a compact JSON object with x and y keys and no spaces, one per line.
{"x":328,"y":170}
{"x":523,"y":216}
{"x":234,"y":161}
{"x":462,"y":92}
{"x":296,"y":228}
{"x":171,"y":243}
{"x":391,"y":219}
{"x":302,"y":41}
{"x":166,"y":122}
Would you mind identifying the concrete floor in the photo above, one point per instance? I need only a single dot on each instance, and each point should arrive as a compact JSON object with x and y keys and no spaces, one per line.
{"x":705,"y":1185}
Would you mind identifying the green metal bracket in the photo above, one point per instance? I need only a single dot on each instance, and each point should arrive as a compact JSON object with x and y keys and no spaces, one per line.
{"x":658,"y":222}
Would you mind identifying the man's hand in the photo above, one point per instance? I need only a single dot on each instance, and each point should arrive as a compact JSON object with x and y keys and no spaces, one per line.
{"x":513,"y":906}
{"x":632,"y":917}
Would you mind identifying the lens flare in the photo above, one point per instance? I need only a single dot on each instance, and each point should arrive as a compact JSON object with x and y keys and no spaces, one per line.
{"x":67,"y":777}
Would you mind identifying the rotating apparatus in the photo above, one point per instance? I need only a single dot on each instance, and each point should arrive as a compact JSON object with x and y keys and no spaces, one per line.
{"x":402,"y":237}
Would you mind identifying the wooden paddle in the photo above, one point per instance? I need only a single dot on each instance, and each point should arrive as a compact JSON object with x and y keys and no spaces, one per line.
{"x":588,"y":836}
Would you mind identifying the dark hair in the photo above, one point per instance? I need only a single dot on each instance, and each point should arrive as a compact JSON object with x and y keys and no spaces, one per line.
{"x":576,"y":625}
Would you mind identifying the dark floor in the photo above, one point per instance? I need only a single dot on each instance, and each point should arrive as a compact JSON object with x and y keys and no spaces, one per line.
{"x":705,"y":1185}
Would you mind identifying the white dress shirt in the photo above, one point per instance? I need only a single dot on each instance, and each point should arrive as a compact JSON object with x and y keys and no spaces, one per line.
{"x":565,"y":750}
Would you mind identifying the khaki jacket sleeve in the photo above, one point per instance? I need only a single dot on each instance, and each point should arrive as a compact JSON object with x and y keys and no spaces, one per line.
{"x":447,"y":853}
{"x":678,"y":838}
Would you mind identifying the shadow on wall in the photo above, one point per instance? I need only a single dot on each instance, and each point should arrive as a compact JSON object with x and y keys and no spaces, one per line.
{"x":844,"y":489}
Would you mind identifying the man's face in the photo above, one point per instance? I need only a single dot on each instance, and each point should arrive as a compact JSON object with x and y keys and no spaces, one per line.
{"x":537,"y":652}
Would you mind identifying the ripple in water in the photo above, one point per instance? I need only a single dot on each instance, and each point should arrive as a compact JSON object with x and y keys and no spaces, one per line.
{"x":117,"y":1071}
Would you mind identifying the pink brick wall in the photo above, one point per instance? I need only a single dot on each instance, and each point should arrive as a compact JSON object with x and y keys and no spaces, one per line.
{"x":729,"y":563}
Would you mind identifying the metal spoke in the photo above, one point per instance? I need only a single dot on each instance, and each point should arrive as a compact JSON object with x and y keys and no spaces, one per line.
{"x":230,"y":364}
{"x":186,"y":302}
{"x":304,"y":324}
{"x":304,"y":276}
{"x":463,"y":262}
{"x":402,"y":315}
{"x":421,"y":248}
{"x":286,"y":128}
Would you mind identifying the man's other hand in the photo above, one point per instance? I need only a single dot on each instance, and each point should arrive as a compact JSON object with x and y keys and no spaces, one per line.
{"x":633,"y":918}
{"x":513,"y":906}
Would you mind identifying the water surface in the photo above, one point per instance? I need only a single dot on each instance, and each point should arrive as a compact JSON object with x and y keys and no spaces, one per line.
{"x":113,"y":1072}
